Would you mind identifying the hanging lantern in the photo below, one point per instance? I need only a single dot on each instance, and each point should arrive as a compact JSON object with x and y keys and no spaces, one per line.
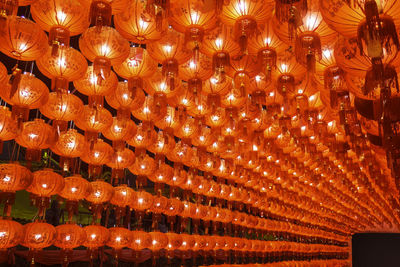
{"x":69,"y":236}
{"x":245,"y":16}
{"x":62,"y":108}
{"x":136,"y":24}
{"x":120,"y":131}
{"x":8,"y":126}
{"x":119,"y":238}
{"x":38,"y":235}
{"x":194,"y":20}
{"x":69,"y":145}
{"x":96,"y":88}
{"x":170,"y":51}
{"x":30,"y":93}
{"x":45,"y":183}
{"x":121,"y":160}
{"x":61,"y":19}
{"x":96,"y":236}
{"x":35,"y":136}
{"x":22,"y":39}
{"x":104,"y":47}
{"x":97,"y":156}
{"x":100,"y":194}
{"x":123,"y":196}
{"x":12,"y":233}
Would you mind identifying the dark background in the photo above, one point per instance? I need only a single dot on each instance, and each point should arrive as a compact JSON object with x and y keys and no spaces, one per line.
{"x":376,"y":250}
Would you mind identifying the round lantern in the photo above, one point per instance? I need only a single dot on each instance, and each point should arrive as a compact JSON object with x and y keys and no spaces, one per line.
{"x":69,"y":236}
{"x":93,"y":120}
{"x":61,"y":108}
{"x":11,"y":233}
{"x":136,"y":25}
{"x":31,"y":93}
{"x":104,"y":47}
{"x":14,"y":177}
{"x":119,"y":238}
{"x":46,"y":183}
{"x":38,"y":235}
{"x":101,"y":192}
{"x":140,"y":240}
{"x":97,"y":156}
{"x":119,"y":131}
{"x":96,"y":236}
{"x":22,"y":39}
{"x":8,"y":126}
{"x":76,"y":188}
{"x":70,"y":144}
{"x":35,"y":136}
{"x":119,"y":161}
{"x":123,"y":196}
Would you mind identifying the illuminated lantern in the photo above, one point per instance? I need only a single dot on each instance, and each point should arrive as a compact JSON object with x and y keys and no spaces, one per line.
{"x":194,"y":20}
{"x":124,"y":100}
{"x":97,"y":156}
{"x":13,"y":177}
{"x":266,"y":46}
{"x":62,"y":108}
{"x":310,"y":37}
{"x":136,"y":25}
{"x":38,"y":235}
{"x":121,"y":159}
{"x":291,"y":12}
{"x":122,"y":197}
{"x":12,"y":233}
{"x":69,"y":236}
{"x":35,"y":136}
{"x":96,"y":236}
{"x":218,"y":45}
{"x":159,"y":241}
{"x":8,"y":126}
{"x":174,"y":242}
{"x":242,"y":70}
{"x":170,"y":52}
{"x":245,"y":16}
{"x":22,"y":39}
{"x":140,"y":240}
{"x":75,"y":189}
{"x":30,"y":93}
{"x":101,"y":193}
{"x":119,"y":238}
{"x":93,"y":120}
{"x":104,"y":47}
{"x":45,"y":183}
{"x":94,"y":87}
{"x":61,"y":19}
{"x":137,"y":65}
{"x":188,"y":242}
{"x":68,"y":65}
{"x":69,"y":145}
{"x":119,"y":131}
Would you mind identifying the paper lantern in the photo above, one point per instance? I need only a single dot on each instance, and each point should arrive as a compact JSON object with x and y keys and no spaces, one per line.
{"x":101,"y":192}
{"x":35,"y":136}
{"x":136,"y":25}
{"x":22,"y":39}
{"x":97,"y":155}
{"x":123,"y":196}
{"x":14,"y":177}
{"x":140,"y":240}
{"x":69,"y":236}
{"x":46,"y":183}
{"x":91,"y":85}
{"x":38,"y":235}
{"x":76,"y":188}
{"x":12,"y":233}
{"x":119,"y":238}
{"x":96,"y":236}
{"x":8,"y":126}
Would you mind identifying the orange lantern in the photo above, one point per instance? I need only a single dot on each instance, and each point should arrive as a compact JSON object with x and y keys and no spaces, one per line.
{"x":97,"y":156}
{"x":68,"y":65}
{"x":8,"y":126}
{"x":69,"y":145}
{"x":45,"y":183}
{"x":69,"y":236}
{"x":119,"y":238}
{"x":61,"y":19}
{"x":170,"y":51}
{"x":76,"y":188}
{"x":101,"y":193}
{"x":12,"y":233}
{"x":38,"y":235}
{"x":121,"y":159}
{"x":30,"y":93}
{"x":105,"y":47}
{"x":96,"y":236}
{"x":137,"y":65}
{"x":14,"y":177}
{"x":61,"y":108}
{"x":245,"y":16}
{"x":140,"y":240}
{"x":22,"y":39}
{"x":35,"y":136}
{"x":94,"y":87}
{"x":194,"y":20}
{"x":137,"y":25}
{"x":119,"y":131}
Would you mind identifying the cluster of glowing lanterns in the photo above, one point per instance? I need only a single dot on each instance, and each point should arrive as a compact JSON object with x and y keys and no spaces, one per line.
{"x":267,"y":115}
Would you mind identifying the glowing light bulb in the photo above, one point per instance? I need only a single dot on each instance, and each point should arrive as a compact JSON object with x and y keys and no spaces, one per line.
{"x":105,"y":50}
{"x":61,"y":16}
